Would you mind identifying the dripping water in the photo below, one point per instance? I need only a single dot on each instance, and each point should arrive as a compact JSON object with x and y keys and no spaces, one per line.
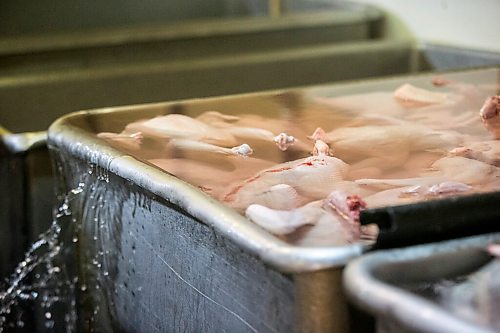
{"x":42,"y":280}
{"x":65,"y":281}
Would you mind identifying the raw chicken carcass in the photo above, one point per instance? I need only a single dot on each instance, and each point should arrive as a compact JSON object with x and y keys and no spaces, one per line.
{"x":412,"y":96}
{"x":312,"y":177}
{"x":332,"y":221}
{"x":484,"y":151}
{"x":387,"y":146}
{"x":490,"y":115}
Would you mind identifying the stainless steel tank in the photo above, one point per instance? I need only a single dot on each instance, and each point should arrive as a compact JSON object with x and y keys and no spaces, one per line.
{"x":178,"y":259}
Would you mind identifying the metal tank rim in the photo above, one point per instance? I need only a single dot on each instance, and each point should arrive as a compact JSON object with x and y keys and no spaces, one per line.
{"x":18,"y":143}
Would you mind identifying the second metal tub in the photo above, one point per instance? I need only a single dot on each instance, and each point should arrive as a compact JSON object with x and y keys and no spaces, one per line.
{"x":385,"y":284}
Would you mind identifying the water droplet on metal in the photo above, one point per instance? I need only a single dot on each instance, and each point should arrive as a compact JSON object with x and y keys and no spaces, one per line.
{"x":49,"y":324}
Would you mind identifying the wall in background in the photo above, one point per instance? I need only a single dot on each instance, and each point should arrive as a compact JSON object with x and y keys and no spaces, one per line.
{"x":461,"y":23}
{"x":48,"y":16}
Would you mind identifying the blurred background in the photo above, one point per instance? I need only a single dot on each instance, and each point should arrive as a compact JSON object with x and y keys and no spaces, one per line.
{"x":127,"y":52}
{"x":459,"y":23}
{"x":470,"y":24}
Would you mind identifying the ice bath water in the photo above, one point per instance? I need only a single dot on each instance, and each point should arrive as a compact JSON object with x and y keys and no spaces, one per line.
{"x":395,"y":143}
{"x":381,"y":137}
